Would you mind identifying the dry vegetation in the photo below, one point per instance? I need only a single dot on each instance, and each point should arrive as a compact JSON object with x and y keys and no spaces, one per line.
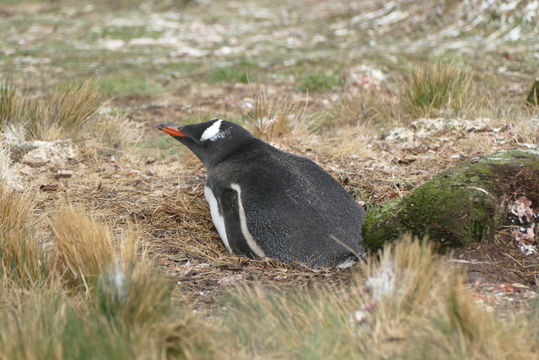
{"x":409,"y":304}
{"x":87,"y":299}
{"x":62,"y":112}
{"x":437,"y":87}
{"x":84,"y":299}
{"x":107,"y":250}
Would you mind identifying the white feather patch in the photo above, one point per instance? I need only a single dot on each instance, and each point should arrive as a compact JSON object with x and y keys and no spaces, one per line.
{"x":243,"y":222}
{"x":216,"y":217}
{"x":213,"y":132}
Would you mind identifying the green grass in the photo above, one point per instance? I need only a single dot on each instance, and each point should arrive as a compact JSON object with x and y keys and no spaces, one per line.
{"x":318,"y":82}
{"x":130,"y":85}
{"x":228,"y":75}
{"x":125,"y":33}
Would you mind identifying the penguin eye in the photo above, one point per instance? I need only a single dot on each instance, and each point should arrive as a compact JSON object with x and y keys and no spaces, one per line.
{"x":213,"y":132}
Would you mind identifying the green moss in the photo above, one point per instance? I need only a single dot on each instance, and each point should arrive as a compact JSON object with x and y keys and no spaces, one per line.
{"x":375,"y":231}
{"x":461,"y":206}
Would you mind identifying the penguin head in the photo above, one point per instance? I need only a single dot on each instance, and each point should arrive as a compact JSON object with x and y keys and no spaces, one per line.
{"x":211,"y":141}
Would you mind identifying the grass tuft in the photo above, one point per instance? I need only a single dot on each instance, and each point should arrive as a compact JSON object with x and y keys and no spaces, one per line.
{"x":111,"y":135}
{"x":228,"y":74}
{"x":408,"y":304}
{"x":10,"y":104}
{"x":84,"y":247}
{"x":436,"y":87}
{"x":22,"y":260}
{"x":277,"y":117}
{"x":128,"y":314}
{"x":62,"y":112}
{"x":75,"y":104}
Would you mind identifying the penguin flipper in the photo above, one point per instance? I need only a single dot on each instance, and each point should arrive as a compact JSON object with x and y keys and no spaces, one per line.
{"x":240,"y":239}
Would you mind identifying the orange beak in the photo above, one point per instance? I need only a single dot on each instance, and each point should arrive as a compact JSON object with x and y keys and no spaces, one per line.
{"x":171,"y":130}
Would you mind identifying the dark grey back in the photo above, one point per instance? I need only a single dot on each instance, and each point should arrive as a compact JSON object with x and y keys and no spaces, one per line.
{"x":293,"y":206}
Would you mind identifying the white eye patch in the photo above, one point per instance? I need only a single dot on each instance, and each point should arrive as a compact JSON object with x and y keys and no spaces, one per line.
{"x":213,"y":132}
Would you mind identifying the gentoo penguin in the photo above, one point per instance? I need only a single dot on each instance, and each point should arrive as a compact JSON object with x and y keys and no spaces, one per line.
{"x":268,"y":203}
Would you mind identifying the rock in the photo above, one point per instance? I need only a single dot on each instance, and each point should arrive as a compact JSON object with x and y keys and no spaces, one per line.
{"x":8,"y":178}
{"x":525,"y":222}
{"x":365,"y":77}
{"x":52,"y":153}
{"x":17,"y":152}
{"x":63,"y":174}
{"x":460,"y":206}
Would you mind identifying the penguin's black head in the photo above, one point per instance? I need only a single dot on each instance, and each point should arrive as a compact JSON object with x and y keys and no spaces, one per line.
{"x":212,"y":141}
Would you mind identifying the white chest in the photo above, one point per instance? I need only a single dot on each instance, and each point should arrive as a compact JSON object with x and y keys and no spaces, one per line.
{"x":217,"y":217}
{"x":219,"y":221}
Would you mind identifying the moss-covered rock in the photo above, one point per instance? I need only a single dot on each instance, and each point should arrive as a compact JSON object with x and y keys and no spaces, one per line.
{"x":462,"y":205}
{"x":533,"y":96}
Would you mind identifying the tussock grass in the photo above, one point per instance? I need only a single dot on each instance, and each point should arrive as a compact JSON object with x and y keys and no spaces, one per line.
{"x":84,"y":247}
{"x":436,"y":87}
{"x":75,"y":104}
{"x":10,"y":104}
{"x":111,"y":135}
{"x":119,"y":308}
{"x":407,"y":304}
{"x":70,"y":111}
{"x":61,"y":112}
{"x":277,"y":116}
{"x":22,"y":259}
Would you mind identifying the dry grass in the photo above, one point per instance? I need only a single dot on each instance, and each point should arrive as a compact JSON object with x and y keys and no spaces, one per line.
{"x":363,"y":108}
{"x":436,"y":87}
{"x":277,"y":117}
{"x":10,"y":104}
{"x":124,"y":311}
{"x":62,"y":112}
{"x":410,"y":304}
{"x":116,"y":133}
{"x":84,"y":247}
{"x":68,"y":112}
{"x":5,"y":162}
{"x":22,"y":259}
{"x":110,"y":136}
